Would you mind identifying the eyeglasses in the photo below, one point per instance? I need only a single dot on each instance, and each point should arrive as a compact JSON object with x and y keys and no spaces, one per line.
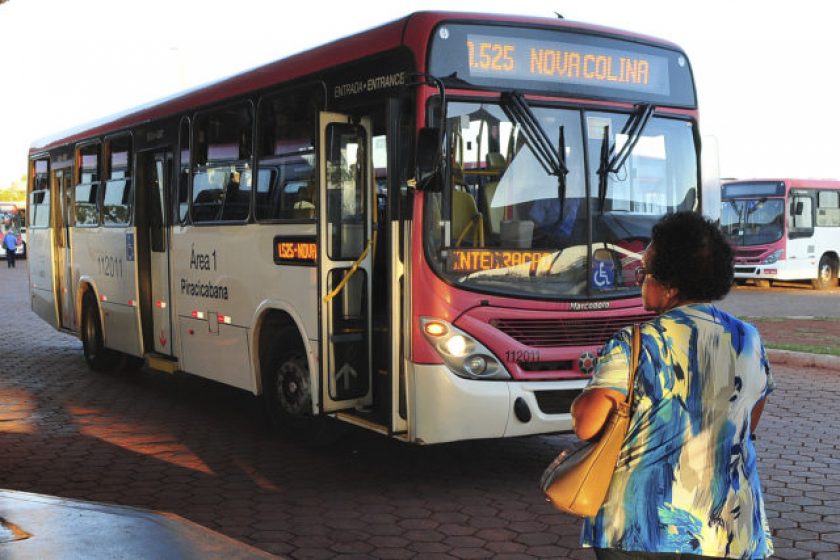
{"x":641,"y":273}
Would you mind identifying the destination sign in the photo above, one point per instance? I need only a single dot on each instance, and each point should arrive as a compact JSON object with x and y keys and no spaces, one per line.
{"x":564,"y":62}
{"x":300,"y":251}
{"x":524,"y":59}
{"x":473,"y":260}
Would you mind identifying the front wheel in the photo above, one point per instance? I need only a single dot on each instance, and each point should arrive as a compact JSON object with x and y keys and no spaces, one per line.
{"x":287,"y":395}
{"x":826,"y":274}
{"x":287,"y":388}
{"x":97,"y":356}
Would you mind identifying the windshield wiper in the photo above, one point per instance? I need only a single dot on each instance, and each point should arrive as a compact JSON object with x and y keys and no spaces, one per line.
{"x":633,"y":129}
{"x":552,"y":161}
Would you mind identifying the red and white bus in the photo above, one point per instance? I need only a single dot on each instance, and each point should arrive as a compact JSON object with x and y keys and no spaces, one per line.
{"x":12,"y":223}
{"x":783,"y":229}
{"x":427,"y":229}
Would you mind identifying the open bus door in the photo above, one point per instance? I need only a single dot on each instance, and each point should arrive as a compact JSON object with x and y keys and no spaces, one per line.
{"x":346,"y":186}
{"x":65,"y":290}
{"x":154,"y":170}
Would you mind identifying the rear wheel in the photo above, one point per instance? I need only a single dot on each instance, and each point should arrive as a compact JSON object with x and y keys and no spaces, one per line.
{"x":97,"y":356}
{"x":826,"y":274}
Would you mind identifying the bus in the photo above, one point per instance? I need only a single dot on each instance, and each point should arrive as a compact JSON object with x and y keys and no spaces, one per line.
{"x":427,"y":229}
{"x":12,"y":223}
{"x":783,"y":229}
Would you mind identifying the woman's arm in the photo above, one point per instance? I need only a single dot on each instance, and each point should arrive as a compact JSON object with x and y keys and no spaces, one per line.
{"x":756,"y":414}
{"x":591,"y":410}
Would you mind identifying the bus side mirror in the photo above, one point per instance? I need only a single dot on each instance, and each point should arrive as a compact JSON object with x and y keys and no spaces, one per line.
{"x":798,"y":209}
{"x":428,"y":159}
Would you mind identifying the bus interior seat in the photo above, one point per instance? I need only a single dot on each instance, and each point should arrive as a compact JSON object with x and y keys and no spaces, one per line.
{"x":304,"y":206}
{"x":495,"y":160}
{"x":466,"y":218}
{"x":236,"y":200}
{"x":493,"y":215}
{"x":689,"y":201}
{"x":206,"y":206}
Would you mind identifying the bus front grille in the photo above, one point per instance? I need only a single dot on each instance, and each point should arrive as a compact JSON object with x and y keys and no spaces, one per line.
{"x":543,"y":333}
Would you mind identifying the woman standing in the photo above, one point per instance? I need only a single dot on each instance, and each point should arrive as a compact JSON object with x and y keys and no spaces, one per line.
{"x":686,"y":482}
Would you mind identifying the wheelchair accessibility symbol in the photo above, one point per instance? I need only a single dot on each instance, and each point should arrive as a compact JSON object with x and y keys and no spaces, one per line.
{"x":603,"y":274}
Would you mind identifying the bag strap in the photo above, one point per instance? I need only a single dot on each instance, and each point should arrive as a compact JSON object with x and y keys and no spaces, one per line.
{"x":635,"y":349}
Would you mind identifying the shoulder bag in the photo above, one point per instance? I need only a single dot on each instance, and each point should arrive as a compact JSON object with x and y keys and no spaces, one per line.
{"x":577,"y":481}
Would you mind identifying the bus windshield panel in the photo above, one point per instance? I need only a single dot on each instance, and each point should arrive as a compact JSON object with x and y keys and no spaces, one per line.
{"x":578,"y":64}
{"x":753,"y":213}
{"x":506,"y":224}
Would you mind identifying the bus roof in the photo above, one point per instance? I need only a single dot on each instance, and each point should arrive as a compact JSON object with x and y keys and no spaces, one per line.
{"x":412,"y":31}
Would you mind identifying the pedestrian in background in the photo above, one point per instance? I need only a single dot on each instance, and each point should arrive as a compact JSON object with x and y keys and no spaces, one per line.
{"x":686,"y":483}
{"x":10,"y":244}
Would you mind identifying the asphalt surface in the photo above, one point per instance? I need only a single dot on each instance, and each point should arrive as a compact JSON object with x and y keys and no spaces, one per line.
{"x":200,"y":450}
{"x":782,"y":300}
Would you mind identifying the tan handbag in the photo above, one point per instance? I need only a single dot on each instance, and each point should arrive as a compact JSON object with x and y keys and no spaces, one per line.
{"x":577,"y":481}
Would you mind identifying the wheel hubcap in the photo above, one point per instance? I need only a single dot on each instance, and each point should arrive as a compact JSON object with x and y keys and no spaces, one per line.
{"x":292,"y":387}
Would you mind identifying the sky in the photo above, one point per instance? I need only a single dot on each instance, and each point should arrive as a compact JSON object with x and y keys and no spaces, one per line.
{"x":767,"y":72}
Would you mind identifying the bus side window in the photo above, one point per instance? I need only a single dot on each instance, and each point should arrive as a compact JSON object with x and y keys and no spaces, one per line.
{"x":801,"y":215}
{"x":182,"y":200}
{"x":828,"y":209}
{"x":39,"y":201}
{"x":86,"y":194}
{"x":116,"y":199}
{"x":287,"y":129}
{"x":222,"y":168}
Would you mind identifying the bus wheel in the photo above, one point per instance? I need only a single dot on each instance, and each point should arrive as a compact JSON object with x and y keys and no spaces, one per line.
{"x":97,"y":356}
{"x":287,"y":394}
{"x":826,"y":274}
{"x":288,"y":391}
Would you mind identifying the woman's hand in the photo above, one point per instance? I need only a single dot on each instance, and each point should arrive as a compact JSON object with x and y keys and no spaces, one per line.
{"x":591,"y":410}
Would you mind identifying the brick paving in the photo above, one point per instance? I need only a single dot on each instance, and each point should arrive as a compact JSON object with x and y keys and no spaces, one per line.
{"x":198,"y":449}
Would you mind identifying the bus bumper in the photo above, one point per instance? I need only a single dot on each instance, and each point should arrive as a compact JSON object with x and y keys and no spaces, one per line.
{"x":806,"y":269}
{"x":450,"y":408}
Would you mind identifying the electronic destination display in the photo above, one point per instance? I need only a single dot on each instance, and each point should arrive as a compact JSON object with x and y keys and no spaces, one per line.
{"x":561,"y":63}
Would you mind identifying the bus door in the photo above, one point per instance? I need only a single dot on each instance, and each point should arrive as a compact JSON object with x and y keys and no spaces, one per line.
{"x":62,"y":194}
{"x":345,"y":257}
{"x":154,"y":168}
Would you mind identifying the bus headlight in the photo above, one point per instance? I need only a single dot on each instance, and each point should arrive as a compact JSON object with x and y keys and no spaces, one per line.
{"x":465,"y":356}
{"x":774,"y":256}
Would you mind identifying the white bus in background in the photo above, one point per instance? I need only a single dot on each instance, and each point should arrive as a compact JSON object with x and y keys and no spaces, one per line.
{"x":783,"y":229}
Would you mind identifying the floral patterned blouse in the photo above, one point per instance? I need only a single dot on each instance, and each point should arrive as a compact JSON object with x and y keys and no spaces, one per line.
{"x":686,"y":479}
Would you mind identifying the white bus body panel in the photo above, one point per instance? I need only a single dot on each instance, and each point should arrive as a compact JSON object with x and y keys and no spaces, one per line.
{"x":802,"y":258}
{"x":42,"y":289}
{"x":449,"y":408}
{"x":229,"y":272}
{"x":226,"y":358}
{"x":106,"y":254}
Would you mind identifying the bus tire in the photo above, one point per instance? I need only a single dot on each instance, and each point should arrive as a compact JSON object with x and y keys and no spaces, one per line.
{"x":97,"y":356}
{"x":287,"y":395}
{"x":286,"y":386}
{"x":826,"y":274}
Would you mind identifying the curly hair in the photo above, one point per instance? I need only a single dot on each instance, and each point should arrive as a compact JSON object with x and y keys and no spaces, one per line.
{"x":691,"y":255}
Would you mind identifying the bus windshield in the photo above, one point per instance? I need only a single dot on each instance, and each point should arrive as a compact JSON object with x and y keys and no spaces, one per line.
{"x":752,"y":221}
{"x":509,"y":223}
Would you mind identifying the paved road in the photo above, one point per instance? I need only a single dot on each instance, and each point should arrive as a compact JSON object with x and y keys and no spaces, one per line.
{"x":783,"y":300}
{"x":198,"y":449}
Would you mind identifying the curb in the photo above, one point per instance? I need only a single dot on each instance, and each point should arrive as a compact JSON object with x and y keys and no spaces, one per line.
{"x":802,"y":359}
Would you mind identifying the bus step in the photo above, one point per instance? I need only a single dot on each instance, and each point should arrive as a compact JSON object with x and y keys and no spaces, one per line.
{"x":361,"y":422}
{"x":349,"y":337}
{"x":162,"y":363}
